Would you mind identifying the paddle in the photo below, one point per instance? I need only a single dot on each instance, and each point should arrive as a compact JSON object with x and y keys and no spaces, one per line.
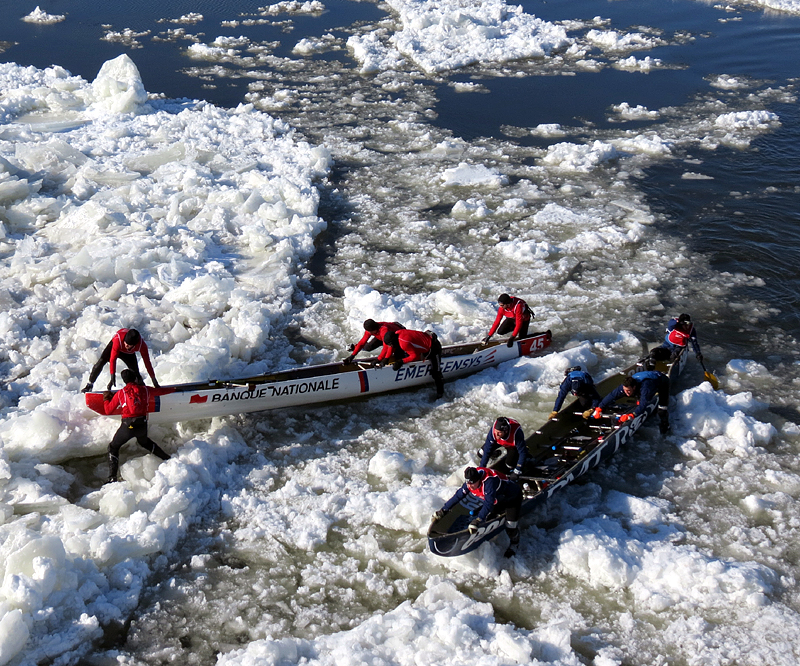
{"x":709,"y":376}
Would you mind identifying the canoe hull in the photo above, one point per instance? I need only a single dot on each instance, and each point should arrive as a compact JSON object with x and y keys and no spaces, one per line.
{"x":323,"y":383}
{"x":561,"y":451}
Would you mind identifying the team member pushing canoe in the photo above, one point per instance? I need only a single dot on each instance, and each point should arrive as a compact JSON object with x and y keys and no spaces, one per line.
{"x":643,"y":385}
{"x":374,"y":332}
{"x":497,"y":492}
{"x":131,"y":403}
{"x":517,"y":317}
{"x":408,"y":346}
{"x":123,"y":346}
{"x":506,"y":433}
{"x":579,"y":383}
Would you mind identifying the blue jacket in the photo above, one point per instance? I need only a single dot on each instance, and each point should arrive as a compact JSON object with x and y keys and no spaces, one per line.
{"x":649,"y":383}
{"x":494,"y":488}
{"x":577,"y":382}
{"x":519,"y":445}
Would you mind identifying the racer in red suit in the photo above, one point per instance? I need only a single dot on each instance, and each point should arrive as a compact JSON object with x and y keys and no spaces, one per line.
{"x":123,"y":346}
{"x":407,"y":346}
{"x":375,"y":330}
{"x":517,"y":316}
{"x":131,"y":403}
{"x":680,"y":332}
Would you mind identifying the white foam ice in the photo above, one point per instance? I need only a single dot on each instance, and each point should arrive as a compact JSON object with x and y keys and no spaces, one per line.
{"x":159,"y":207}
{"x":438,"y":37}
{"x":38,"y":15}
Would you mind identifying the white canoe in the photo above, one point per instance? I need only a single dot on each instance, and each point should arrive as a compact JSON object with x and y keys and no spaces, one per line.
{"x":322,"y":383}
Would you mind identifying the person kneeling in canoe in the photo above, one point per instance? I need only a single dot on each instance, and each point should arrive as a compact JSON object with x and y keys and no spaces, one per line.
{"x":580,"y":384}
{"x":374,"y":332}
{"x":408,"y":346}
{"x":506,"y":433}
{"x":515,"y":315}
{"x":131,"y":402}
{"x":498,"y":494}
{"x":642,"y":385}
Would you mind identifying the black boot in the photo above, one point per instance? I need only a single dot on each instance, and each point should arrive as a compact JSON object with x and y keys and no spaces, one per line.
{"x":663,"y":424}
{"x":113,"y":467}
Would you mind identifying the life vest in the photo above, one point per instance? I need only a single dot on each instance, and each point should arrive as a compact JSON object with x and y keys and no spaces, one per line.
{"x":510,"y":310}
{"x":680,"y":338}
{"x":478,"y":492}
{"x":133,"y":400}
{"x":578,"y":377}
{"x":512,"y":431}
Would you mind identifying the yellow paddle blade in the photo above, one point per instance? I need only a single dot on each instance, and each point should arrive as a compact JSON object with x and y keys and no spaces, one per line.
{"x":711,"y":379}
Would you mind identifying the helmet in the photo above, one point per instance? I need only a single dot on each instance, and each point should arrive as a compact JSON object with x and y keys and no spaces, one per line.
{"x":684,"y":318}
{"x":649,"y":363}
{"x":505,"y":299}
{"x":574,"y":368}
{"x":370,"y":325}
{"x":390,"y":338}
{"x":502,"y":426}
{"x":472,"y":475}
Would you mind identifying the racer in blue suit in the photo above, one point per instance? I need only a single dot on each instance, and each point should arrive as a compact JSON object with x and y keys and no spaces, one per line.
{"x":580,"y":384}
{"x":507,"y":433}
{"x":645,"y":385}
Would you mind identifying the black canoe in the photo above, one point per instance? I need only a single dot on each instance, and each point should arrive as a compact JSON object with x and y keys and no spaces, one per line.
{"x":562,"y":450}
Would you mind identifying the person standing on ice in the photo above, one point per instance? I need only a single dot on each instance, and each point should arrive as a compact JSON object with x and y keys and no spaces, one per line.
{"x":131,"y":403}
{"x":123,"y":346}
{"x":375,"y":330}
{"x":408,"y":346}
{"x":506,"y":433}
{"x":680,"y":332}
{"x":579,"y":383}
{"x":498,"y":494}
{"x":517,"y":317}
{"x":642,"y":385}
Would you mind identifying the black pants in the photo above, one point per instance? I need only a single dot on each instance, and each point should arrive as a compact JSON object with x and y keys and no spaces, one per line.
{"x":128,"y":430}
{"x":508,"y":325}
{"x":435,"y":357}
{"x":513,"y":507}
{"x":128,"y":359}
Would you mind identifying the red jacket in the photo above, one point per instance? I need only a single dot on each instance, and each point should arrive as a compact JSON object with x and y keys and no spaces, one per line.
{"x":132,"y":400}
{"x":383,"y":328}
{"x":518,"y":309}
{"x":116,"y":348}
{"x":415,"y":343}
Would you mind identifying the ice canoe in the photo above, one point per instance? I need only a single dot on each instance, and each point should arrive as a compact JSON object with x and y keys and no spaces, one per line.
{"x":315,"y":384}
{"x":562,"y":450}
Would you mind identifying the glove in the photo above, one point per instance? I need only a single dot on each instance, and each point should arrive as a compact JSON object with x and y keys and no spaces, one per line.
{"x":587,"y":413}
{"x":397,"y":365}
{"x":378,"y":364}
{"x":597,"y":413}
{"x":485,"y":341}
{"x":88,"y":388}
{"x":441,"y":513}
{"x":553,"y":414}
{"x":511,"y":340}
{"x":112,"y":383}
{"x":473,"y":526}
{"x":625,"y":417}
{"x":513,"y":476}
{"x":351,"y":348}
{"x":699,"y":357}
{"x":348,"y":360}
{"x":107,"y":395}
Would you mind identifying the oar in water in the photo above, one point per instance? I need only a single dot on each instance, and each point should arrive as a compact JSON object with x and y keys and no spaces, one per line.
{"x":709,"y":376}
